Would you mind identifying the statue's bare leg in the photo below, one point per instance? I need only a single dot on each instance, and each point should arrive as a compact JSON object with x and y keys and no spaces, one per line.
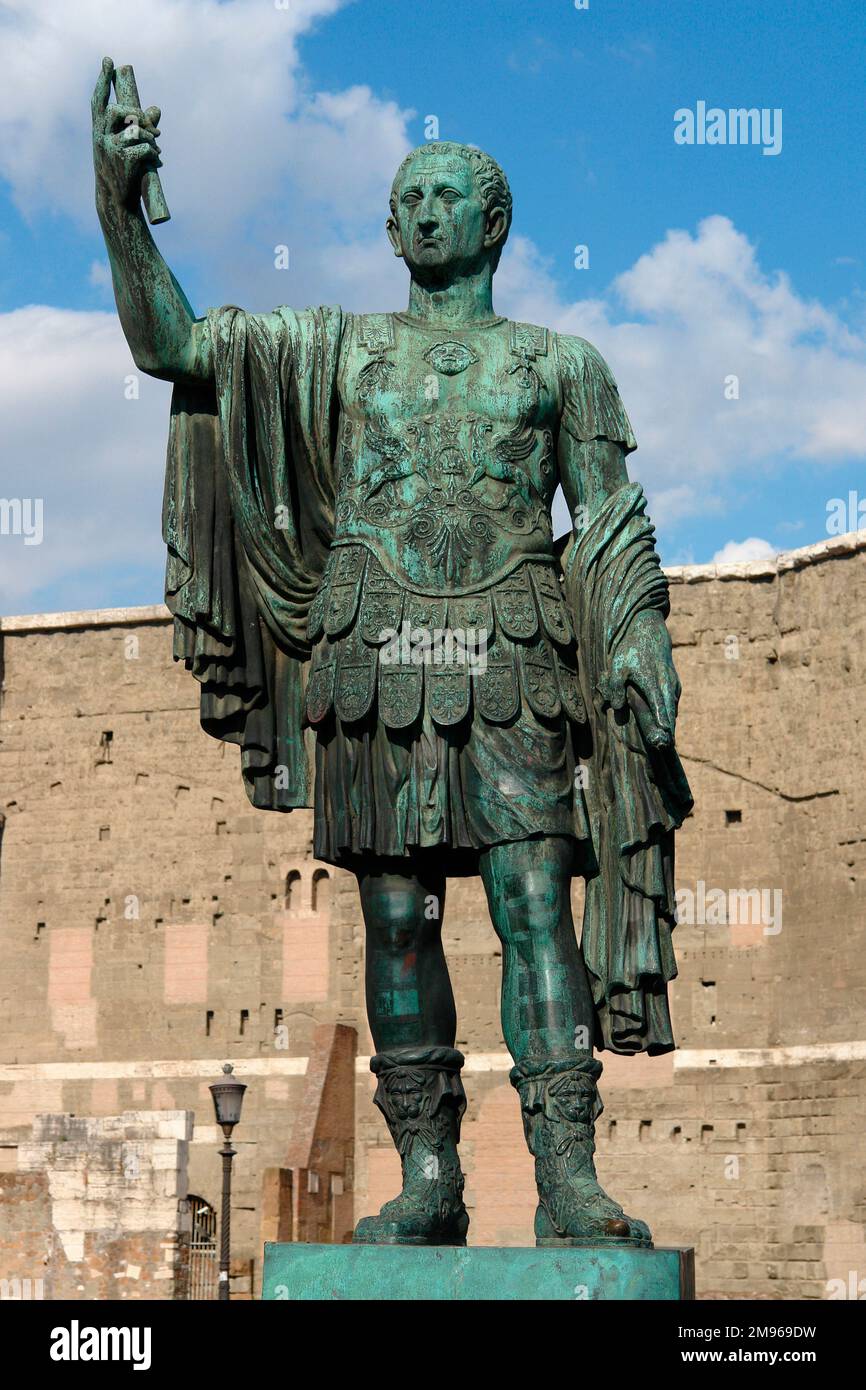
{"x":410,"y":1006}
{"x":410,"y":1002}
{"x":547,"y":1005}
{"x":547,"y":1023}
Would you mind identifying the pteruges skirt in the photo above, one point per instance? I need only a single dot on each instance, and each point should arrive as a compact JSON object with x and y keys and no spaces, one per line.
{"x":420,"y":748}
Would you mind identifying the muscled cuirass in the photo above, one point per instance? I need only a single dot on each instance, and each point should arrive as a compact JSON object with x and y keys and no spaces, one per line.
{"x":445,"y":476}
{"x":446,"y":464}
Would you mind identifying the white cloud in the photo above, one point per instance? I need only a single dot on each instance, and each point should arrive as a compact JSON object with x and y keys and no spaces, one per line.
{"x":95,"y":458}
{"x":252,"y":158}
{"x":694,"y":311}
{"x":741,"y":552}
{"x":244,"y":142}
{"x":255,"y":158}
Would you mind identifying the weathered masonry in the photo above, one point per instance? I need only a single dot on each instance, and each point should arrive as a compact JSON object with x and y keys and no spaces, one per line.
{"x":152,"y":926}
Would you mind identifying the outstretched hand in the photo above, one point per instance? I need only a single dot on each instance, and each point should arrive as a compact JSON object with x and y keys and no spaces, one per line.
{"x":124,"y":145}
{"x":643,"y":677}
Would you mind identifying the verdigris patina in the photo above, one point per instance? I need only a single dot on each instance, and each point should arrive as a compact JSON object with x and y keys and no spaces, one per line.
{"x":364,"y":581}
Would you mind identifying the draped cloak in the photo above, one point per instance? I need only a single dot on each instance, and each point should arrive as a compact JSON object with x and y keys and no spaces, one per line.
{"x":248,"y":519}
{"x":248,"y":516}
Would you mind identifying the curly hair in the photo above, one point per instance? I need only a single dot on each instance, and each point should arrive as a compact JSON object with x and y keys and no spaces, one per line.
{"x":489,"y":178}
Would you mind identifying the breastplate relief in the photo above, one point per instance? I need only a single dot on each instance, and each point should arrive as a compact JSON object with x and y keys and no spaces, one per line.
{"x":449,"y":496}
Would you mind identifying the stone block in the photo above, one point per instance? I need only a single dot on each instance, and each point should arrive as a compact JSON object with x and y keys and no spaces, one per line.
{"x":568,"y":1274}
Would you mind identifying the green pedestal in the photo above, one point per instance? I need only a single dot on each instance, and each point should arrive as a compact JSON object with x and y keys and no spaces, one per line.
{"x":314,"y":1272}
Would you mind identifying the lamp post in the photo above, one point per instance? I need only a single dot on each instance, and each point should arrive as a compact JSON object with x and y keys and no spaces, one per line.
{"x":228,"y":1098}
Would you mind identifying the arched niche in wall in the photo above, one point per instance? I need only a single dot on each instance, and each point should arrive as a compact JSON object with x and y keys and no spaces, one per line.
{"x":320,"y":892}
{"x":293,"y":891}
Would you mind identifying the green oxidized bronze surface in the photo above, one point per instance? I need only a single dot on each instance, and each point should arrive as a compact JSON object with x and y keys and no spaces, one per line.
{"x":364,"y":581}
{"x":481,"y":1273}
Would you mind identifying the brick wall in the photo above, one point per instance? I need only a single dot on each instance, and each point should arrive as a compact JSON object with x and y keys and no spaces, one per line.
{"x":152,"y":925}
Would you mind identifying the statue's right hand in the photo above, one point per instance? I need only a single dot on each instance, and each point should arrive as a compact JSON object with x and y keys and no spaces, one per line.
{"x":124,"y":145}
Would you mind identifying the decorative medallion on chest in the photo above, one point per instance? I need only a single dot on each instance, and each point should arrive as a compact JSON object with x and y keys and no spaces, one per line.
{"x":450,"y":358}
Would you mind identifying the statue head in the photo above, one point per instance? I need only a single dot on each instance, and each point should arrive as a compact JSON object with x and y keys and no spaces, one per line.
{"x":450,"y":211}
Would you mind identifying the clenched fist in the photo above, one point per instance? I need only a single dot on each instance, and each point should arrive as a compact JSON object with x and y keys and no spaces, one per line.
{"x":124,"y":146}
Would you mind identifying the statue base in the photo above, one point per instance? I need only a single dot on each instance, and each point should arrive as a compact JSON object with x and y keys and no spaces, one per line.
{"x":400,"y":1272}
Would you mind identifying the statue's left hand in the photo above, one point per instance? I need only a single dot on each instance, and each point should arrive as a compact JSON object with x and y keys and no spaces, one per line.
{"x":644,"y":662}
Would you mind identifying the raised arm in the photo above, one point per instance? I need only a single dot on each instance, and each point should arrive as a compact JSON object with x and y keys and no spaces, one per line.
{"x":165,"y":338}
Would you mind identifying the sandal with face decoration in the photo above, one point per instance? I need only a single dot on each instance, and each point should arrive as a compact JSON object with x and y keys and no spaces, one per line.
{"x":560,"y":1104}
{"x":421,"y":1096}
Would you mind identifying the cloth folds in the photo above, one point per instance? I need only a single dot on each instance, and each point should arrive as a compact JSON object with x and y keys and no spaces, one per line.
{"x":247,"y":519}
{"x":637,"y":796}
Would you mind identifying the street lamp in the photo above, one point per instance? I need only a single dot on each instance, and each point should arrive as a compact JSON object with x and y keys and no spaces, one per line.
{"x":228,"y":1098}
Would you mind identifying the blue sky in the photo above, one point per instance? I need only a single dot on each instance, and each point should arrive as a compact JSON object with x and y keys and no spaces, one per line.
{"x":284,"y":126}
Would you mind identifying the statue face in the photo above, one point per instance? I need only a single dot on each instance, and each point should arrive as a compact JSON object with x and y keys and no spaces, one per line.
{"x":406,"y":1095}
{"x":571,"y":1101}
{"x":441,"y":228}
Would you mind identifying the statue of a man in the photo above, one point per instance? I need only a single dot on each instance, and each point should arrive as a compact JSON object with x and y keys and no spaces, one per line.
{"x":364,"y":580}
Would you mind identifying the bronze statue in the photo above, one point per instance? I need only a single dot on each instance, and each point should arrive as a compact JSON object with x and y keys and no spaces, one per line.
{"x":364,"y":581}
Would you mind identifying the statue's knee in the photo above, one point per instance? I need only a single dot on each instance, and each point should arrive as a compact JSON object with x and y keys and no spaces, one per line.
{"x":528,"y":914}
{"x":395,"y":919}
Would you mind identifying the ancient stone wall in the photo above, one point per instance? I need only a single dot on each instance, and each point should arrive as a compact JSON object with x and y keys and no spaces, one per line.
{"x":152,"y":925}
{"x":95,"y":1208}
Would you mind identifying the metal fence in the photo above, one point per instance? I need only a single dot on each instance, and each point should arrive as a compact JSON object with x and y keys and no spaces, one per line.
{"x":202,"y":1282}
